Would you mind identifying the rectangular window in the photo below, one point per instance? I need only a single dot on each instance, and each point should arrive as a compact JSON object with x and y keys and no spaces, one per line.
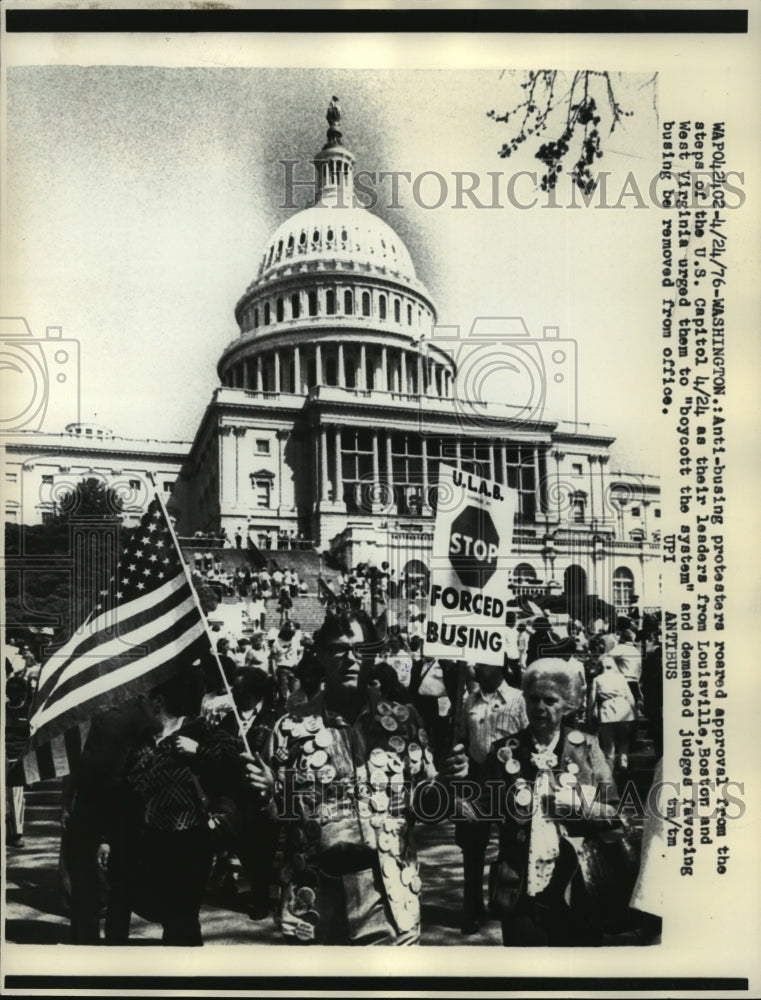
{"x":47,"y":480}
{"x":356,"y":469}
{"x":262,"y":490}
{"x":635,"y":512}
{"x":578,"y":511}
{"x":47,"y":516}
{"x":576,"y":467}
{"x":657,"y":512}
{"x":134,"y":484}
{"x":519,"y":474}
{"x":262,"y":446}
{"x":11,"y":477}
{"x":168,"y":487}
{"x":407,"y":468}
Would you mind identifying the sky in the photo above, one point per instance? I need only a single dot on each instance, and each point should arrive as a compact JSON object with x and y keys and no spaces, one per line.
{"x":138,"y":200}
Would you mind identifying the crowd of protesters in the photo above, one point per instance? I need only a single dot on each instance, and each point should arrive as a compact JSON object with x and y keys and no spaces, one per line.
{"x":255,"y":587}
{"x":182,"y":790}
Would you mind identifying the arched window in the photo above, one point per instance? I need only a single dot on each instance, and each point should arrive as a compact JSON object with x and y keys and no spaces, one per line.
{"x":279,"y":310}
{"x":329,"y":237}
{"x":289,"y":252}
{"x":382,"y":306}
{"x":279,"y":249}
{"x":302,"y":241}
{"x":397,"y":311}
{"x":623,"y":587}
{"x":365,"y":303}
{"x":295,"y":305}
{"x":266,"y":314}
{"x":330,"y":302}
{"x":409,"y":315}
{"x":313,"y":303}
{"x":348,"y":303}
{"x":256,"y":318}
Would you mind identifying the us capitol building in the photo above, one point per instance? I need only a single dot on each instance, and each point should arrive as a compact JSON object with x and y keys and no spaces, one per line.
{"x":339,"y":397}
{"x":337,"y":404}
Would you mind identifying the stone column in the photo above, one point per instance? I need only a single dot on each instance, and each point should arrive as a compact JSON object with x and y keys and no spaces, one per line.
{"x":405,"y":387}
{"x":283,"y":506}
{"x":558,"y":456}
{"x":318,"y":364}
{"x":384,"y":369}
{"x":277,"y":370}
{"x":376,"y":463}
{"x":389,"y":462}
{"x":238,"y":433}
{"x":425,"y":507}
{"x":362,"y":366}
{"x":592,"y":459}
{"x":227,"y":463}
{"x":341,"y":366}
{"x":338,"y":494}
{"x":604,"y":504}
{"x":259,"y":382}
{"x":297,"y":386}
{"x":324,"y":492}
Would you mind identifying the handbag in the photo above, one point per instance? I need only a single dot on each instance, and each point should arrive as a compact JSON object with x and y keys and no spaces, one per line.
{"x":505,"y":885}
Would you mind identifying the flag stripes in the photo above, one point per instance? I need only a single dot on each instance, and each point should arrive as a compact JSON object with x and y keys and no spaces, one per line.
{"x":108,"y":630}
{"x":146,"y":628}
{"x":53,"y":759}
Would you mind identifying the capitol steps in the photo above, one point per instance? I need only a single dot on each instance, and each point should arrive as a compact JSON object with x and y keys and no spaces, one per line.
{"x":42,"y":809}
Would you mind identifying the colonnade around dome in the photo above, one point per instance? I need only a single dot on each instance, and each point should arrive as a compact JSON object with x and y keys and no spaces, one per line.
{"x":346,"y":364}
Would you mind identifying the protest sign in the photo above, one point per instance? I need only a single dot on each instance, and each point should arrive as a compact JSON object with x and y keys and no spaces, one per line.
{"x":471,"y":548}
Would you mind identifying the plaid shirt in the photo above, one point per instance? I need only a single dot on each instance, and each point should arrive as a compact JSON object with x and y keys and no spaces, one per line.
{"x":485,"y":721}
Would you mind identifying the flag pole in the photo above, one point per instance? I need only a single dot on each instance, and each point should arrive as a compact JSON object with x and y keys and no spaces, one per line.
{"x":212,"y":644}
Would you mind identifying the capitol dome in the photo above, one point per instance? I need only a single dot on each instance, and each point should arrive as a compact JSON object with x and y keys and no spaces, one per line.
{"x":332,"y":277}
{"x":329,"y":232}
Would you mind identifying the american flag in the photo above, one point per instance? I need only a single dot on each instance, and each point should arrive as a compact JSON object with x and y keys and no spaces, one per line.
{"x":146,"y":628}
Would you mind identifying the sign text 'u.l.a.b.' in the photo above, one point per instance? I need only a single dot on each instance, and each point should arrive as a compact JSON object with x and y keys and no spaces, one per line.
{"x":472,"y":543}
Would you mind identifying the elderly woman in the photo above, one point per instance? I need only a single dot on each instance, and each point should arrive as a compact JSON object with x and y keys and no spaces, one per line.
{"x":563,"y":862}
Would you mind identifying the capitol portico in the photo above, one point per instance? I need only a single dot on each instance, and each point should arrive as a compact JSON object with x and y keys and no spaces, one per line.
{"x":336,"y":404}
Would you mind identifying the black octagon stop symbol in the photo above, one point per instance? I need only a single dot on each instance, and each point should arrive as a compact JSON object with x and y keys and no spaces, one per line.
{"x":473,"y":546}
